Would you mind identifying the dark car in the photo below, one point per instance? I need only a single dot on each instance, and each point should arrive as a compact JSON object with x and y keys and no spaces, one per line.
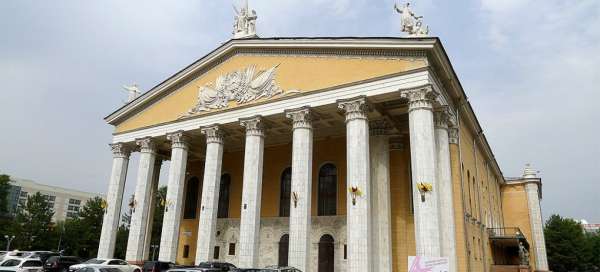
{"x":43,"y":255}
{"x":217,"y":266}
{"x":158,"y":266}
{"x":60,"y":263}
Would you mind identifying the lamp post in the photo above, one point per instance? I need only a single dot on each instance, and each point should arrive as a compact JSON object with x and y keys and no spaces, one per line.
{"x":154,"y":248}
{"x":8,"y":241}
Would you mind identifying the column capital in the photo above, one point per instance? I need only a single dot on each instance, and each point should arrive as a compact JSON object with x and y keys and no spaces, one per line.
{"x":355,"y":108}
{"x":214,"y":134}
{"x":441,"y":118}
{"x":254,"y":126}
{"x":301,"y":117}
{"x":178,"y":139}
{"x":120,"y":150}
{"x":419,"y":98}
{"x":453,"y":135}
{"x":380,"y":127}
{"x":146,"y":144}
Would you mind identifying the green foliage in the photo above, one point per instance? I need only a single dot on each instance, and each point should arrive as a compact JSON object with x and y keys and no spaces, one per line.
{"x":568,"y":247}
{"x":4,"y":194}
{"x":33,"y":224}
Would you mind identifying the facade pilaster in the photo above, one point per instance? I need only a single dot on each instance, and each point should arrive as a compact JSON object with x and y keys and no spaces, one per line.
{"x":174,"y":199}
{"x":300,"y":206}
{"x":141,"y":201}
{"x":423,"y":166}
{"x":251,"y":191}
{"x":210,"y":193}
{"x":153,"y":198}
{"x":359,"y":185}
{"x":445,"y":191}
{"x":114,"y":197}
{"x":380,"y":200}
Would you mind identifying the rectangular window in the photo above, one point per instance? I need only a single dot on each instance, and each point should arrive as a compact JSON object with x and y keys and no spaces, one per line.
{"x":23,"y":194}
{"x":191,"y":199}
{"x":231,"y":249}
{"x":186,"y":251}
{"x":345,"y":251}
{"x":74,"y":201}
{"x":216,"y":254}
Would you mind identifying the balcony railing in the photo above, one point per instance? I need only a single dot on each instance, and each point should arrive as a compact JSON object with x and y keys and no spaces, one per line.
{"x":510,"y":232}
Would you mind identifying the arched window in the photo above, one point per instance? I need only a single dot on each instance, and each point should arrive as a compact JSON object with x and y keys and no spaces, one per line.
{"x":223,"y":208}
{"x":284,"y":243}
{"x":326,"y":254}
{"x":191,"y":198}
{"x":285,"y":193}
{"x":327,"y":190}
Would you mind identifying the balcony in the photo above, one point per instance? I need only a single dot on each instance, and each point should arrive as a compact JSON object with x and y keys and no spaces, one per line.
{"x":510,"y":249}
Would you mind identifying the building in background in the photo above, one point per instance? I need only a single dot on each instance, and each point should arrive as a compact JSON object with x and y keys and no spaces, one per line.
{"x":66,"y":203}
{"x":588,"y":227}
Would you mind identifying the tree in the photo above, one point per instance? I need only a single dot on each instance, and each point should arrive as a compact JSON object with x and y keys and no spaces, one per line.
{"x":567,"y":246}
{"x":159,"y":213}
{"x":33,"y":224}
{"x":4,"y":194}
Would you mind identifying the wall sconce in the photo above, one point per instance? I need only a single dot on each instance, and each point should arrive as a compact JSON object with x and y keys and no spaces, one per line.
{"x":167,"y":204}
{"x":424,"y":187}
{"x":132,"y":203}
{"x":354,"y":192}
{"x":295,"y":199}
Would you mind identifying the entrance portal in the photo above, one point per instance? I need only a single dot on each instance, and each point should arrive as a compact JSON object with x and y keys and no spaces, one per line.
{"x":326,"y":253}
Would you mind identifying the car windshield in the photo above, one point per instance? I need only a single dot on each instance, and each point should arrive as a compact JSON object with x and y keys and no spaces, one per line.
{"x":205,"y":265}
{"x":11,"y":262}
{"x":94,"y":261}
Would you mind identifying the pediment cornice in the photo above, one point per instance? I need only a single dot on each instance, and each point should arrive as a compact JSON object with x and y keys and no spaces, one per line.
{"x":351,"y":47}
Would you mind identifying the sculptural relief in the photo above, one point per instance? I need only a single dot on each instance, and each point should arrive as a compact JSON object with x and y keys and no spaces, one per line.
{"x":241,"y":86}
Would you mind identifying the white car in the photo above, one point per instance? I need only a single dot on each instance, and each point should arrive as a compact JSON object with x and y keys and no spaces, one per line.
{"x":115,"y":263}
{"x":99,"y":268}
{"x":21,"y":265}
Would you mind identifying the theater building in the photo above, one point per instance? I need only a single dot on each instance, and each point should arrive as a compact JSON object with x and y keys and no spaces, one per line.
{"x":326,"y":154}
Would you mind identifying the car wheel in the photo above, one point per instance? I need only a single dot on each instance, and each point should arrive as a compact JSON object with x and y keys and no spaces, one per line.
{"x":137,"y":270}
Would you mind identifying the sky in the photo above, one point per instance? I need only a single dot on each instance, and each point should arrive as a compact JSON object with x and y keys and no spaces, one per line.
{"x":530,"y":68}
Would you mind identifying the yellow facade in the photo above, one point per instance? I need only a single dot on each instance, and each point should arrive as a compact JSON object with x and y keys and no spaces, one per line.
{"x":302,"y":73}
{"x":480,"y":201}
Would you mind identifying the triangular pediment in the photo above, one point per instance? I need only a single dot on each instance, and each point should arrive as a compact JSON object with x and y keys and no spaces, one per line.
{"x":245,"y":72}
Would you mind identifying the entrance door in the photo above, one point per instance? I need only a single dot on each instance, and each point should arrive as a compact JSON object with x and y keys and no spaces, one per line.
{"x":326,"y":253}
{"x":284,"y":243}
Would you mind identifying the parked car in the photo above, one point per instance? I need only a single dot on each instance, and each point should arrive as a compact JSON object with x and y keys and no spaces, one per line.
{"x":15,"y":254}
{"x":115,"y":263}
{"x":21,"y":265}
{"x":42,"y":255}
{"x":158,"y":266}
{"x":206,"y":267}
{"x":60,"y":263}
{"x":275,"y":268}
{"x":99,"y":268}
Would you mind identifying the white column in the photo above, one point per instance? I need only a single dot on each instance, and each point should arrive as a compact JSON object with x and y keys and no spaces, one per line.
{"x":300,"y":206}
{"x":150,"y":221}
{"x":380,"y":184}
{"x":423,"y":166}
{"x":141,"y":201}
{"x":114,"y":197}
{"x":251,"y":192}
{"x":174,"y":201}
{"x":358,"y":180}
{"x":445,"y":191}
{"x":210,"y":194}
{"x":535,"y":217}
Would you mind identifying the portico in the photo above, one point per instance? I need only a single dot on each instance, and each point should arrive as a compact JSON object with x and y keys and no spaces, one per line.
{"x":322,"y":154}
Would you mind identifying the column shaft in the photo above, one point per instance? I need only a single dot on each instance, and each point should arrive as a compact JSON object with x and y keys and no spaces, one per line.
{"x":300,"y":206}
{"x":423,"y":166}
{"x":153,"y":200}
{"x":359,"y":185}
{"x":251,"y":192}
{"x":174,"y":201}
{"x":380,"y":184}
{"x":142,"y":196}
{"x":210,"y":194}
{"x":114,"y":197}
{"x":445,"y":191}
{"x":537,"y":227}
